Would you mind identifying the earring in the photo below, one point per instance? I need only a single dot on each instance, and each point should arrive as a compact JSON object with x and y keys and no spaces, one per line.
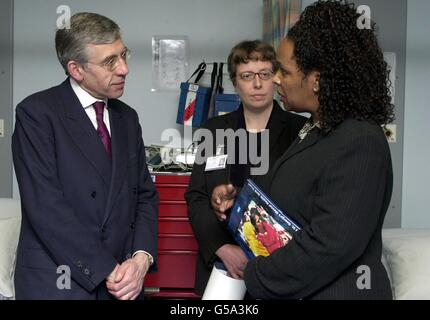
{"x":316,"y":86}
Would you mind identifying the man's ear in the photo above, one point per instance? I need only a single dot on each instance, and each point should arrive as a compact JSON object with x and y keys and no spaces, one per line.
{"x":75,"y":70}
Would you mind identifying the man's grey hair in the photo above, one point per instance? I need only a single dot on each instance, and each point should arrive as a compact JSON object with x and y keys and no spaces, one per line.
{"x":85,"y":28}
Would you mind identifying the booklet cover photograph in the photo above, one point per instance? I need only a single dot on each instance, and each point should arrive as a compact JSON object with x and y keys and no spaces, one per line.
{"x":257,"y":224}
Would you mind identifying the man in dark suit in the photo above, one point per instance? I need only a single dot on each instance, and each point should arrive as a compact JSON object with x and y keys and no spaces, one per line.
{"x":89,"y":206}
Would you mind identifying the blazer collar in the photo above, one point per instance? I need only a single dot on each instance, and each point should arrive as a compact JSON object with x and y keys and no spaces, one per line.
{"x":84,"y":97}
{"x":119,"y":140}
{"x":83,"y":133}
{"x":277,"y":120}
{"x":276,"y":125}
{"x":297,"y":147}
{"x":233,"y":118}
{"x":86,"y":138}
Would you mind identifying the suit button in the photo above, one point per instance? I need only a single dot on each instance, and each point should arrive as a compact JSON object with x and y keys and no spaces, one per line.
{"x":132,"y":225}
{"x":93,"y":194}
{"x":79,"y":264}
{"x":87,"y":271}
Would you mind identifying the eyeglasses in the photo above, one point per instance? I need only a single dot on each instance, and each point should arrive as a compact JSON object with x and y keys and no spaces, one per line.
{"x":263,"y":75}
{"x":112,"y":62}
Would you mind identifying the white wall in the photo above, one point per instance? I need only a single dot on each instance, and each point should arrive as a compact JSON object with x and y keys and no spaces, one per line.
{"x":416,"y":172}
{"x":305,"y":3}
{"x":213,"y":27}
{"x":6,"y":54}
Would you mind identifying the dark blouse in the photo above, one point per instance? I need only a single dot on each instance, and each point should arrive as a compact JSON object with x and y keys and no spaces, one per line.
{"x":239,"y":172}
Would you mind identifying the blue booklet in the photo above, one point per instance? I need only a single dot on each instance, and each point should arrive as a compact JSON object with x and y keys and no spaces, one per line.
{"x":257,"y":224}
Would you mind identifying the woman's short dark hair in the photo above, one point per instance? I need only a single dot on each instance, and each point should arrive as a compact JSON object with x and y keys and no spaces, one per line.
{"x":245,"y":51}
{"x":354,"y":78}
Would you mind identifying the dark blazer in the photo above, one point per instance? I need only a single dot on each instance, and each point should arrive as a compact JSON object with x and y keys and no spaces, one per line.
{"x":210,"y":233}
{"x":79,"y":209}
{"x":338,"y":187}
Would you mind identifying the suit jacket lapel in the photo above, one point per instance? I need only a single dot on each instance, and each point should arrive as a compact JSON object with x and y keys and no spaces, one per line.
{"x":232,"y":119}
{"x":83,"y":132}
{"x":276,"y":125}
{"x":119,"y":140}
{"x":231,"y":122}
{"x":296,"y":147}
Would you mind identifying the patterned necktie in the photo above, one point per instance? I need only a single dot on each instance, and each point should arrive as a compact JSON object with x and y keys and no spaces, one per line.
{"x":102,"y":130}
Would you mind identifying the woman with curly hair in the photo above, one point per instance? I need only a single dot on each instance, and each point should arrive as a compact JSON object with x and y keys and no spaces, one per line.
{"x":336,"y":178}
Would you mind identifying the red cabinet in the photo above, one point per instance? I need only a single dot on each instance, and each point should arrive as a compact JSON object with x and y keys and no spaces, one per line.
{"x":177,"y":247}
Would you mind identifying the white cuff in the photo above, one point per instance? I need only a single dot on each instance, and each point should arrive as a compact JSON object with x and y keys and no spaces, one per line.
{"x":150,"y":258}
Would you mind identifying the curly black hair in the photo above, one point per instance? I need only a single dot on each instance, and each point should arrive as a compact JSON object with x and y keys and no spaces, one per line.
{"x":354,"y":78}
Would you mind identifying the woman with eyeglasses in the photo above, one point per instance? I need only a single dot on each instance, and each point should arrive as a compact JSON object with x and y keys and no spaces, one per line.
{"x":251,"y":66}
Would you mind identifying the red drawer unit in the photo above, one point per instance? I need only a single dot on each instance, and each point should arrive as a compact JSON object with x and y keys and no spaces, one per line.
{"x":177,"y":242}
{"x":169,"y":178}
{"x":177,"y":246}
{"x":169,"y":192}
{"x":176,"y":270}
{"x":173,"y":225}
{"x":172,"y":209}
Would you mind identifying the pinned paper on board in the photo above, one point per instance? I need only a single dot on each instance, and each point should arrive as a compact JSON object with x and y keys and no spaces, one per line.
{"x":169,"y":62}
